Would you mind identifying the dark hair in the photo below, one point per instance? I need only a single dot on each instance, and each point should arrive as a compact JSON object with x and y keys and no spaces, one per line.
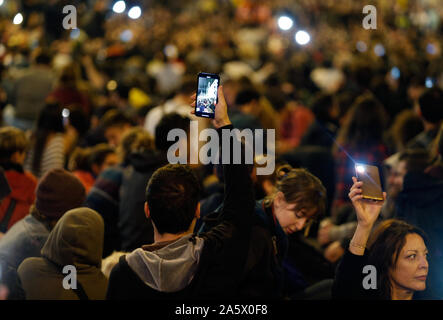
{"x":44,"y":57}
{"x":417,"y":160}
{"x":172,"y":195}
{"x":302,"y":187}
{"x":321,"y":106}
{"x":188,"y":86}
{"x":84,"y":158}
{"x":115,"y":118}
{"x":246,"y":95}
{"x":50,"y":120}
{"x":68,"y":76}
{"x":405,"y":127}
{"x":365,"y":123}
{"x":99,"y":153}
{"x":135,"y":140}
{"x":431,"y":105}
{"x":81,"y":159}
{"x":385,"y":245}
{"x":167,"y":123}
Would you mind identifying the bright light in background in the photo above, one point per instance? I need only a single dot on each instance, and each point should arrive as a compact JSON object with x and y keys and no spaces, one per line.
{"x":1,"y":2}
{"x":65,"y":113}
{"x":360,"y":169}
{"x":431,"y":49}
{"x":429,"y":82}
{"x":18,"y":18}
{"x":379,"y":50}
{"x":119,"y":6}
{"x":302,"y":37}
{"x":75,"y":33}
{"x":171,"y":51}
{"x":135,"y":12}
{"x":395,"y":73}
{"x":111,"y":85}
{"x":361,"y":46}
{"x":285,"y":23}
{"x":126,"y":35}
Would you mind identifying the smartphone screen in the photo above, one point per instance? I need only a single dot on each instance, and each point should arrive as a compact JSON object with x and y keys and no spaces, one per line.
{"x":370,"y":177}
{"x":206,"y":98}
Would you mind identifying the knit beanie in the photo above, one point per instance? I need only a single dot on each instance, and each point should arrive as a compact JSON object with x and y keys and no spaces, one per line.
{"x":57,"y":192}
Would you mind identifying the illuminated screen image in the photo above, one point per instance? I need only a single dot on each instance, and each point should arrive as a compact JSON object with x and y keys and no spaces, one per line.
{"x":206,"y":95}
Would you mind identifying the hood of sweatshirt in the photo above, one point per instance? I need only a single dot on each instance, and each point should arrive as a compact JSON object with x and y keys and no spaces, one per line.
{"x":147,"y":161}
{"x":77,"y":239}
{"x":170,"y":268}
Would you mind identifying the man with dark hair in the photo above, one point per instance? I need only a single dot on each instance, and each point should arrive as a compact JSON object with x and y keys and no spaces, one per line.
{"x":180,"y":264}
{"x":115,"y":124}
{"x":430,"y":109}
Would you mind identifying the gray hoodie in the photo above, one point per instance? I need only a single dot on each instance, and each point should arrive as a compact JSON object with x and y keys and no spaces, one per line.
{"x":167,"y":266}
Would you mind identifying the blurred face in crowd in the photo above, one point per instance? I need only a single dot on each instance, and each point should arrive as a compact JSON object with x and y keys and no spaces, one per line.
{"x":115,"y":133}
{"x":19,"y":157}
{"x":411,"y":269}
{"x":110,"y":161}
{"x":291,"y":218}
{"x":396,"y":177}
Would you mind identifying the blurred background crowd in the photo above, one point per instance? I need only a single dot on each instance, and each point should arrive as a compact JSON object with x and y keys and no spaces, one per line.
{"x":105,"y":95}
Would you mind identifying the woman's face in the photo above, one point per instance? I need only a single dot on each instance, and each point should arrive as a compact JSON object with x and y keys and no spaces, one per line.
{"x":411,"y":269}
{"x":289,"y":217}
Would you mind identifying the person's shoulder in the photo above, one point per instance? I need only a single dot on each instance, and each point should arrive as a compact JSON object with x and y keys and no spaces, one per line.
{"x":30,"y":265}
{"x":31,"y":178}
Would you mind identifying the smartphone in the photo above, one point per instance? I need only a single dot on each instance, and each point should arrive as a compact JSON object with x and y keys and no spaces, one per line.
{"x":207,"y":98}
{"x":65,"y":115}
{"x":370,"y":176}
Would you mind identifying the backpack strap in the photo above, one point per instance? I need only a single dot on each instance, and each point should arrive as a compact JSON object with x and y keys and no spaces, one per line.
{"x":8,"y":214}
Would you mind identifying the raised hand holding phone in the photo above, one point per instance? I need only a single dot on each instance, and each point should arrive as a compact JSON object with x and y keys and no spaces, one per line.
{"x":221,"y":117}
{"x":367,"y":213}
{"x":206,"y":96}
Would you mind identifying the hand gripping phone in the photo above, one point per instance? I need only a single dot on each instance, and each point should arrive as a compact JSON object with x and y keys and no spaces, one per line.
{"x":206,"y":98}
{"x":370,"y":177}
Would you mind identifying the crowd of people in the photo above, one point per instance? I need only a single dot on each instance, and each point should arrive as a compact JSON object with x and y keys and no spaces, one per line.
{"x":86,"y":181}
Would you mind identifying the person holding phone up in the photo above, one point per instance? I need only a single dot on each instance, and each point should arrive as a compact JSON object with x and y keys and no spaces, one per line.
{"x":389,"y":264}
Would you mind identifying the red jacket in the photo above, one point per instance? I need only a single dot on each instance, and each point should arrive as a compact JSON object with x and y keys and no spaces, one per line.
{"x":22,"y":186}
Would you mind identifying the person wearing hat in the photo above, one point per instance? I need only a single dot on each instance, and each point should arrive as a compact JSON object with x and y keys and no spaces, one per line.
{"x":57,"y":192}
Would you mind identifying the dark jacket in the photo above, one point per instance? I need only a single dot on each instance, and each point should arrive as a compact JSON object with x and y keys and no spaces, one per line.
{"x":348,"y":282}
{"x":135,"y":230}
{"x":207,"y":266}
{"x":421,"y":204}
{"x":76,"y":240}
{"x":119,"y":195}
{"x":263,"y":275}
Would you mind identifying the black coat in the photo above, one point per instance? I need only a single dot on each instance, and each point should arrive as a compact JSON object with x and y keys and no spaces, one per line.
{"x":223,"y":257}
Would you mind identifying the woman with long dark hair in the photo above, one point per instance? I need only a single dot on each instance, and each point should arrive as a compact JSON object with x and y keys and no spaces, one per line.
{"x":389,"y":264}
{"x":360,"y":139}
{"x":50,"y":143}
